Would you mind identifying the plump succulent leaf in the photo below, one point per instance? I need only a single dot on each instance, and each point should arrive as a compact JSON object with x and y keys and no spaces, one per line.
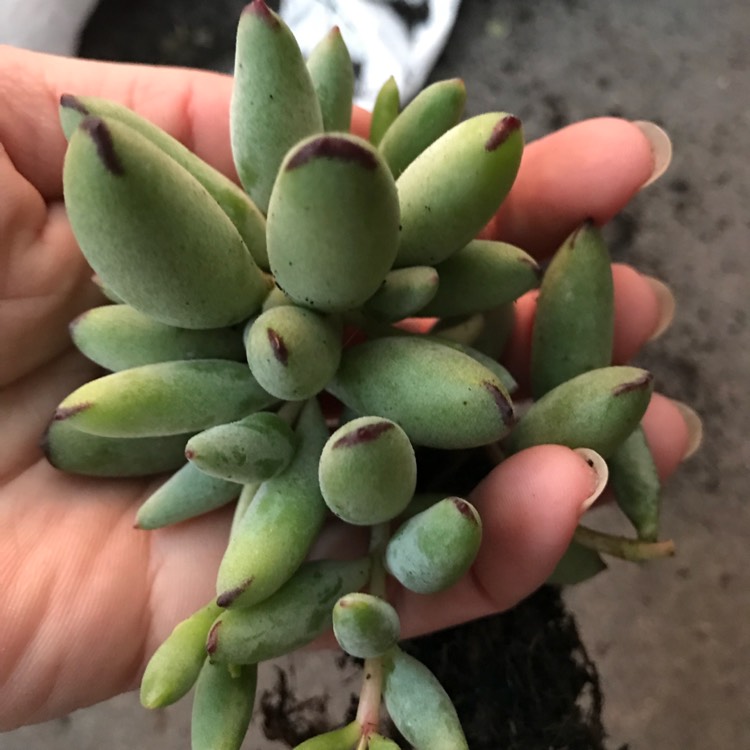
{"x":274,"y":104}
{"x":333,"y":223}
{"x":153,"y":233}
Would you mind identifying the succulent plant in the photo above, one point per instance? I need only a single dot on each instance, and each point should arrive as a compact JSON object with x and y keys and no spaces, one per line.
{"x":232,"y":312}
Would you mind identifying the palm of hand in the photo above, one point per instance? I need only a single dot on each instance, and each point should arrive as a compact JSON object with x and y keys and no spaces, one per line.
{"x":66,"y":535}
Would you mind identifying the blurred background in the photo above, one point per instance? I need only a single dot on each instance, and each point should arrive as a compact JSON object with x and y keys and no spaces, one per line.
{"x":671,"y":640}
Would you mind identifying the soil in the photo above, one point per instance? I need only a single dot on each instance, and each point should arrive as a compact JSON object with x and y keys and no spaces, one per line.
{"x":521,"y":680}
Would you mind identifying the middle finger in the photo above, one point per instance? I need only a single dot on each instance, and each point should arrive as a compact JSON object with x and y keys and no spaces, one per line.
{"x":643,"y":308}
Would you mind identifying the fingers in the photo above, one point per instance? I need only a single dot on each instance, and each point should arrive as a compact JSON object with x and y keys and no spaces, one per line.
{"x":530,"y":505}
{"x":590,"y":169}
{"x":587,"y":170}
{"x":191,"y":105}
{"x":360,"y":122}
{"x":673,"y":433}
{"x":642,"y":310}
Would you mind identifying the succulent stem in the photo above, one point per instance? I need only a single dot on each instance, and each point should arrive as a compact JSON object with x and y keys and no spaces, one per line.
{"x":495,"y":453}
{"x":290,"y":410}
{"x":632,"y":550}
{"x":371,"y":327}
{"x":368,"y":710}
{"x":379,"y":536}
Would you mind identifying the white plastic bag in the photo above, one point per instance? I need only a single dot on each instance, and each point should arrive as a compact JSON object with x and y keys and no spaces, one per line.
{"x":380,"y":38}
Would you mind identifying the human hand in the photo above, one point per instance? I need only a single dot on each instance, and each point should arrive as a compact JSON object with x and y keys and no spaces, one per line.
{"x":87,"y":598}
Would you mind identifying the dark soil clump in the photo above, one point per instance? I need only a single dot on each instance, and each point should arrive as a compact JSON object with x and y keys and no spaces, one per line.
{"x":520,"y":680}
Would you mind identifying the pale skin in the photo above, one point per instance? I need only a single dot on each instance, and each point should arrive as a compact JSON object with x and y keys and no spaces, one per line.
{"x":86,"y":598}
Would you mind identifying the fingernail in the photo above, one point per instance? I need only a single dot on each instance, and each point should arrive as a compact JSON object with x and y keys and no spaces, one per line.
{"x":694,"y":427}
{"x":601,"y":475}
{"x":667,"y":305}
{"x":661,"y":148}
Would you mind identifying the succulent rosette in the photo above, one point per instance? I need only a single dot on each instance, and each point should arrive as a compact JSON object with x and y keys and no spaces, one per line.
{"x":231,"y":312}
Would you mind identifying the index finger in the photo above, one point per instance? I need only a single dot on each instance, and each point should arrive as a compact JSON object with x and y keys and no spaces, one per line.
{"x":588,"y":170}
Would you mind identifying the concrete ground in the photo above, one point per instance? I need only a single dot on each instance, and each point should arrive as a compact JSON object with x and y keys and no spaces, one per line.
{"x":672,"y":639}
